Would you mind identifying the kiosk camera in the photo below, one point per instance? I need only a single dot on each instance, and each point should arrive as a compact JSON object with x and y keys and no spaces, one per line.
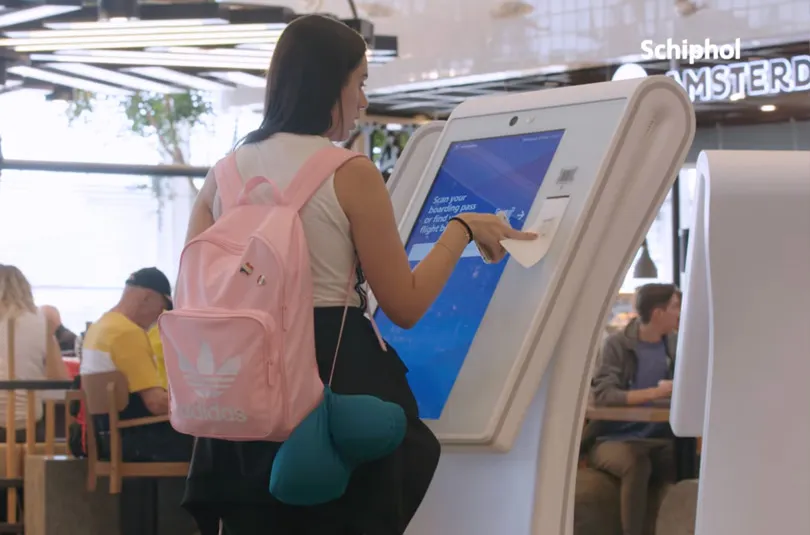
{"x":743,"y":364}
{"x":500,"y":364}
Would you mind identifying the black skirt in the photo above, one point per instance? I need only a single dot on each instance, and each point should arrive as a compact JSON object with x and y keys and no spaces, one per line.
{"x":231,"y":479}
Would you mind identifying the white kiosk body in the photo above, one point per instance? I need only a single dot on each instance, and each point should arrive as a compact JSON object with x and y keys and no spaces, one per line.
{"x":410,"y":165}
{"x":741,"y":376}
{"x":500,"y":364}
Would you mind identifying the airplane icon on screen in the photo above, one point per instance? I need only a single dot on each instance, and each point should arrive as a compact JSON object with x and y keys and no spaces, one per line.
{"x":510,"y":213}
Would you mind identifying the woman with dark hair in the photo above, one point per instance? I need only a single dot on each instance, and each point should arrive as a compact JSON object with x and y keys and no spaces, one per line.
{"x":314,"y":97}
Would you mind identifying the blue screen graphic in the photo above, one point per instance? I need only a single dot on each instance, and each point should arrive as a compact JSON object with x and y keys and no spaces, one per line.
{"x":486,"y":175}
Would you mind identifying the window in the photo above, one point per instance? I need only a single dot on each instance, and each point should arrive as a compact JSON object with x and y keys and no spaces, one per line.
{"x":659,"y":241}
{"x":659,"y":238}
{"x":76,"y":237}
{"x":688,"y":183}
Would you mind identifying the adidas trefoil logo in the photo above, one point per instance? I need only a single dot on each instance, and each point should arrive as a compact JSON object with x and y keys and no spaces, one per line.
{"x":204,"y":379}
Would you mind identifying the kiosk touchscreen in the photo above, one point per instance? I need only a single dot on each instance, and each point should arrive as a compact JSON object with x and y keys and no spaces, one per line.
{"x":741,"y":368}
{"x":500,"y":174}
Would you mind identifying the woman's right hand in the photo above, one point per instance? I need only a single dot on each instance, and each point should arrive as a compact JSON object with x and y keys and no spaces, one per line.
{"x":489,"y":229}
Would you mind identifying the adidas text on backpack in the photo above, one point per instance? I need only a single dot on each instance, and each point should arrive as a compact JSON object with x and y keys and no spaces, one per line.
{"x":239,"y":345}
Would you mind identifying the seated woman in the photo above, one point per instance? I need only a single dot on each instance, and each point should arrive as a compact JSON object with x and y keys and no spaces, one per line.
{"x":36,"y":351}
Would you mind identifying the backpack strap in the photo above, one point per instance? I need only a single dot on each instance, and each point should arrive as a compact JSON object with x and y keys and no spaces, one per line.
{"x":229,"y":181}
{"x":314,"y":173}
{"x":380,"y":340}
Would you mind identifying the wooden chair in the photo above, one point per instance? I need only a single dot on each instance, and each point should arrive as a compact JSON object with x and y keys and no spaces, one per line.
{"x":13,"y":480}
{"x":108,"y":394}
{"x":72,"y":396}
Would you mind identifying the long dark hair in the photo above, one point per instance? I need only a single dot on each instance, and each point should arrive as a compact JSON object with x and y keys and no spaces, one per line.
{"x":312,"y":62}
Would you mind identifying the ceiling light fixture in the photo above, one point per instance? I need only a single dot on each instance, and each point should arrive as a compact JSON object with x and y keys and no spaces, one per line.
{"x":511,"y":10}
{"x":768,"y":108}
{"x":19,"y":38}
{"x":227,"y":52}
{"x":157,"y":54}
{"x":376,"y":10}
{"x":266,"y":47}
{"x":147,"y":59}
{"x":686,"y":8}
{"x":180,"y":78}
{"x":119,"y":25}
{"x":645,"y":267}
{"x":239,"y":78}
{"x":163,"y":15}
{"x":12,"y":17}
{"x":114,"y":77}
{"x":67,"y":81}
{"x":374,"y":55}
{"x":171,"y":37}
{"x":200,"y":39}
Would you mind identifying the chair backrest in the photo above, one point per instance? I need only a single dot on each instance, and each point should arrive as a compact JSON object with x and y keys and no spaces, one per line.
{"x":11,"y":374}
{"x":96,"y":391}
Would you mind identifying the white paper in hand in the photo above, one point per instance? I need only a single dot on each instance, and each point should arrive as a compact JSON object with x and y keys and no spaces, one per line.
{"x":529,"y":253}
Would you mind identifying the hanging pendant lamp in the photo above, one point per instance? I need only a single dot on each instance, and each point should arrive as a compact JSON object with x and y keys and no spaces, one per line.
{"x":645,"y":267}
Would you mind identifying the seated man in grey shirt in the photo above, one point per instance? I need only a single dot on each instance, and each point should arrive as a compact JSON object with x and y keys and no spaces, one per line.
{"x":635,"y":368}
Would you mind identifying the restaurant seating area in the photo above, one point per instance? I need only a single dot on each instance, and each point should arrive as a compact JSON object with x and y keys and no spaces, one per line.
{"x":51,"y":492}
{"x":671,"y":505}
{"x":671,"y":509}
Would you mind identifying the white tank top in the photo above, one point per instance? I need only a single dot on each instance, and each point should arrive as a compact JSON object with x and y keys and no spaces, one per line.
{"x":30,"y":353}
{"x":325,"y":224}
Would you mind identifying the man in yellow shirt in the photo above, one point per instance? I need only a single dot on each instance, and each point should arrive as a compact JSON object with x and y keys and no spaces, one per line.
{"x":119,"y":341}
{"x":157,"y":350}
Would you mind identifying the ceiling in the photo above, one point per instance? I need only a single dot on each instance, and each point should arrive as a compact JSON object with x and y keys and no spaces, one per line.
{"x":516,"y":47}
{"x":438,"y":100}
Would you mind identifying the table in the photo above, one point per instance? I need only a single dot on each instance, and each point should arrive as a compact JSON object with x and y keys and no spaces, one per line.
{"x":628,"y":414}
{"x":72,"y":365}
{"x":685,"y":448}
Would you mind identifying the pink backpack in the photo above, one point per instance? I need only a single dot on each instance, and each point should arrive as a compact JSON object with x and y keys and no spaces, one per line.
{"x":239,"y":346}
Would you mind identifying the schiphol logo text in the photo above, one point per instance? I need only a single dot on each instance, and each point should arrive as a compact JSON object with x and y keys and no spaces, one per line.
{"x":690,"y":52}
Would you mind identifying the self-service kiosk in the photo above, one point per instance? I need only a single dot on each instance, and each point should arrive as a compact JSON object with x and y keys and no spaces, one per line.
{"x":741,"y":375}
{"x":500,"y":364}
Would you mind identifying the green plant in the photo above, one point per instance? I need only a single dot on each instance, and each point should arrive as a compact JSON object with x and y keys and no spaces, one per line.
{"x":169,"y":118}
